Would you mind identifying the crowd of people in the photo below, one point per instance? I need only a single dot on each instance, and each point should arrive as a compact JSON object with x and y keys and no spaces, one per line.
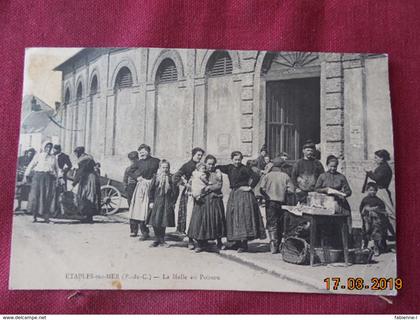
{"x":195,"y":191}
{"x":42,"y":180}
{"x":154,"y":194}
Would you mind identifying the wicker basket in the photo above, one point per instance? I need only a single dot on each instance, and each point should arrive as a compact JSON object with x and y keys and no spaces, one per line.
{"x":360,"y":256}
{"x":68,"y":206}
{"x":295,"y":250}
{"x":327,"y":255}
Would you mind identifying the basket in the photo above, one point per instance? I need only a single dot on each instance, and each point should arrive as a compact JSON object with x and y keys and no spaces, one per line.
{"x":360,"y":256}
{"x":295,"y":250}
{"x":327,"y":255}
{"x":68,"y":206}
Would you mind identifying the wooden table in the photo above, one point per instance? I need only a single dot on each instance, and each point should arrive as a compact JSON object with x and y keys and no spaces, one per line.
{"x":338,"y":219}
{"x":316,"y":220}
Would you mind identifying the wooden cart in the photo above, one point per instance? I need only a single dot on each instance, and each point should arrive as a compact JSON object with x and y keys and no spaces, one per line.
{"x":112,"y":193}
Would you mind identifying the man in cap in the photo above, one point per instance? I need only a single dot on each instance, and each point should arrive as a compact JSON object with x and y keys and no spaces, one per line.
{"x":286,"y":168}
{"x":261,"y":163}
{"x":305,"y":172}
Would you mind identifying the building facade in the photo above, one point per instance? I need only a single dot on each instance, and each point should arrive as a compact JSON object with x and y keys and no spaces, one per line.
{"x":175,"y":99}
{"x":36,"y":125}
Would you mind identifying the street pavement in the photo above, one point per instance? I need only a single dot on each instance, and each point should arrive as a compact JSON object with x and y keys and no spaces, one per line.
{"x":52,"y":255}
{"x":73,"y":255}
{"x":259,"y":257}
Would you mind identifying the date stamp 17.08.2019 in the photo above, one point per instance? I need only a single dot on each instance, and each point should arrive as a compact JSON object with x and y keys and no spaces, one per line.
{"x":359,"y":284}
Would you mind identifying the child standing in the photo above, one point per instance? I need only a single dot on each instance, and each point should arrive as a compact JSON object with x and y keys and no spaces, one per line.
{"x":130,"y":185}
{"x":163,"y":194}
{"x":274,"y":186}
{"x":375,"y":221}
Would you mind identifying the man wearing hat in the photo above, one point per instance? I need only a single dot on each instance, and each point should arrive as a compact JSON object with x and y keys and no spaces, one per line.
{"x":305,"y":172}
{"x":261,"y":158}
{"x":285,"y":167}
{"x":274,"y":187}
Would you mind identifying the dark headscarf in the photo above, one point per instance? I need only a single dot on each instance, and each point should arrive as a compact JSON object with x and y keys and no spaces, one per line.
{"x":383,"y":154}
{"x":79,"y":151}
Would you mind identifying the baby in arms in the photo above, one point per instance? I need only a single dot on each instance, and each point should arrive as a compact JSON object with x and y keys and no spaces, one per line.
{"x":199,"y":181}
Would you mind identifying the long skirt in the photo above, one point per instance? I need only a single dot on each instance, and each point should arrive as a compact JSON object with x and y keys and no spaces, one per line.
{"x":208,"y":220}
{"x":243,"y":217}
{"x":186,"y":204}
{"x":22,"y":191}
{"x":42,"y":195}
{"x":140,"y":201}
{"x":162,"y":214}
{"x":389,"y":204}
{"x":256,"y":189}
{"x":89,"y":195}
{"x":374,"y":226}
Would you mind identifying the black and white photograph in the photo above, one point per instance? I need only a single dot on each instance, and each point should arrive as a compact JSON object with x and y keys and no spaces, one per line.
{"x":204,"y":169}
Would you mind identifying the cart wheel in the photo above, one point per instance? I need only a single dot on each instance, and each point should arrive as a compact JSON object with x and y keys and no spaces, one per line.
{"x":110,"y":200}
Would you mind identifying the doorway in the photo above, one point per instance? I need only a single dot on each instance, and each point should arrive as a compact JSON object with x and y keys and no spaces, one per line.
{"x":292,"y":115}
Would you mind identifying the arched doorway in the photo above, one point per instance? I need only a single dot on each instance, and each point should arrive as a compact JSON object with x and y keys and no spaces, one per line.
{"x":292,"y":89}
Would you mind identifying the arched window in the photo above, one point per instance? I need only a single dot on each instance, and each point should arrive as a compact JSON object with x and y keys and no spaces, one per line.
{"x":124,"y":79}
{"x":219,"y":64}
{"x":94,"y":86}
{"x":79,"y":93}
{"x":166,"y":72}
{"x":67,"y":97}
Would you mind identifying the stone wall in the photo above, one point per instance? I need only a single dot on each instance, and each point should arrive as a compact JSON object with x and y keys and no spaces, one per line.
{"x":367,"y":118}
{"x":332,"y":119}
{"x":354,"y":97}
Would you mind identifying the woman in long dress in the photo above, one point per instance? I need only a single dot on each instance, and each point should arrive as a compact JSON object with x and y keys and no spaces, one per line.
{"x":89,"y":190}
{"x":332,"y":179}
{"x":182,"y":178}
{"x":163,"y":194}
{"x":22,"y":190}
{"x":42,"y":195}
{"x":208,"y":220}
{"x":243,"y":216}
{"x":382,"y":175}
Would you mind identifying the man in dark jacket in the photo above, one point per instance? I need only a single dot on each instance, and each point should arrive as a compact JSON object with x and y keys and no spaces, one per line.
{"x":305,"y":172}
{"x":63,"y":161}
{"x":64,"y":164}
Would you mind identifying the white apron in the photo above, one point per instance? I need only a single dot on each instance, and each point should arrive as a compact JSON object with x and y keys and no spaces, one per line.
{"x":140,"y":202}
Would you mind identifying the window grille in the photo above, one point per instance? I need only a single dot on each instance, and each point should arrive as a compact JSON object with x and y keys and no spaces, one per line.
{"x":124,"y":78}
{"x":67,"y":97}
{"x":79,"y":93}
{"x":167,"y":72}
{"x":94,"y":86}
{"x":220,"y":64}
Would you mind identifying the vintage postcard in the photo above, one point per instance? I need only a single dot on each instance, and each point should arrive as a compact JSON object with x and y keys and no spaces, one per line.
{"x":152,"y":168}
